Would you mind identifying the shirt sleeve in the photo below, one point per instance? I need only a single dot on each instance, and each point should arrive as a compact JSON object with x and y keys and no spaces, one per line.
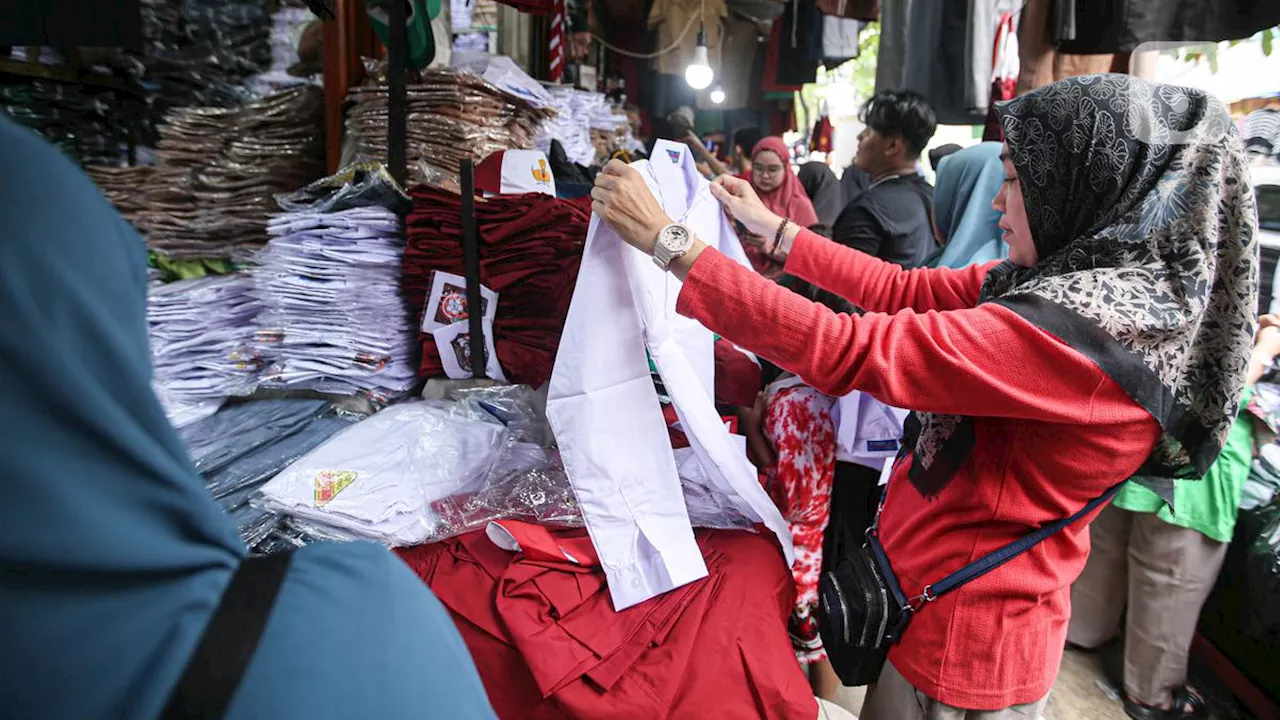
{"x":878,"y":286}
{"x":984,"y":361}
{"x":858,"y":229}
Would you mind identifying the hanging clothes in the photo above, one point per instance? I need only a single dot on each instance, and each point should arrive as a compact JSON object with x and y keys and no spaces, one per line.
{"x":891,"y":57}
{"x":680,"y":20}
{"x":1004,"y":73}
{"x":840,"y":39}
{"x":1121,"y":26}
{"x":741,"y":58}
{"x":791,"y":61}
{"x":941,"y":74}
{"x":113,"y":555}
{"x":1040,"y":27}
{"x":983,"y":23}
{"x":949,"y":58}
{"x":821,"y":139}
{"x":863,"y":10}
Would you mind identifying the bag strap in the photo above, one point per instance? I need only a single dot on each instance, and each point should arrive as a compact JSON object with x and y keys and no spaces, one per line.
{"x":995,"y":559}
{"x":214,"y":671}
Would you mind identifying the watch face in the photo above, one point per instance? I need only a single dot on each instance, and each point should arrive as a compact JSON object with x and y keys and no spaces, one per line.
{"x":677,"y":238}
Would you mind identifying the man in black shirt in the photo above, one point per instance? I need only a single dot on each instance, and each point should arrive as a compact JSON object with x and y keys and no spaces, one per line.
{"x":892,"y":218}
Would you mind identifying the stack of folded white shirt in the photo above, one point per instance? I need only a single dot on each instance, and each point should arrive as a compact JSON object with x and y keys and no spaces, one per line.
{"x":333,"y":318}
{"x":377,"y":479}
{"x":201,"y":334}
{"x":572,"y":124}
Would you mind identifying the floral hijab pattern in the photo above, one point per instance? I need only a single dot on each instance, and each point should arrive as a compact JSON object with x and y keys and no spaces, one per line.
{"x":1141,"y":210}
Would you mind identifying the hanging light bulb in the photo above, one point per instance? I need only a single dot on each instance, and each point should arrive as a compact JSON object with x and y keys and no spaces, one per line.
{"x":717,"y":95}
{"x":699,"y":74}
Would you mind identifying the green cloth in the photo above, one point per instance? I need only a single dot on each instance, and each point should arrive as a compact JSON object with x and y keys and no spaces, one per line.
{"x":1209,"y":505}
{"x":653,"y":369}
{"x":188,"y":269}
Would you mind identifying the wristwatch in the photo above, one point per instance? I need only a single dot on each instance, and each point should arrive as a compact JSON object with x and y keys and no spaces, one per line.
{"x":673,"y":241}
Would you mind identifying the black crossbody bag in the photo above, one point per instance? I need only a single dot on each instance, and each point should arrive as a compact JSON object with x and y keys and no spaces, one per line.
{"x":862,"y":610}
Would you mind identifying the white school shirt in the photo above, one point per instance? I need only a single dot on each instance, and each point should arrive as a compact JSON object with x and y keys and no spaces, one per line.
{"x":377,"y":479}
{"x":604,"y":409}
{"x":868,"y":432}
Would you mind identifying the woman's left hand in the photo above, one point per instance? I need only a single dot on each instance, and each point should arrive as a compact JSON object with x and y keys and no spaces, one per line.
{"x":622,"y":199}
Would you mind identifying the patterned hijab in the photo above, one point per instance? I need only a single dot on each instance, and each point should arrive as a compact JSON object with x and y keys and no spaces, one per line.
{"x":1140,"y":208}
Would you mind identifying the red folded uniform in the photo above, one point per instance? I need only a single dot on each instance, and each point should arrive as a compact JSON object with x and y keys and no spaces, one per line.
{"x":530,"y":249}
{"x":549,"y":644}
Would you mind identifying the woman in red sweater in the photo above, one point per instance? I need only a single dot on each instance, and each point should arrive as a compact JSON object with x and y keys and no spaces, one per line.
{"x":1113,"y":343}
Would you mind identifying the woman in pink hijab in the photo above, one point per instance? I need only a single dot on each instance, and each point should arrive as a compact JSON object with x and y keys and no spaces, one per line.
{"x":781,"y":191}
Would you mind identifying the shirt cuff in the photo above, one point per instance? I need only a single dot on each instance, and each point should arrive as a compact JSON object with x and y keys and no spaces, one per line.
{"x":802,"y":261}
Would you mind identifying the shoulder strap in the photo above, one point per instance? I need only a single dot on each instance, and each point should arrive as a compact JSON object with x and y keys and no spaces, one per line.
{"x":987,"y":563}
{"x":213,"y":673}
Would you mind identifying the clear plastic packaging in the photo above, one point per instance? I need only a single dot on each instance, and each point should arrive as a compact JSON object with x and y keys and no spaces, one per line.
{"x":519,"y":407}
{"x":253,"y":523}
{"x":219,"y":440}
{"x":531,"y":485}
{"x":540,"y":495}
{"x":376,"y":479}
{"x":432,"y":176}
{"x":361,"y":184}
{"x":232,"y":484}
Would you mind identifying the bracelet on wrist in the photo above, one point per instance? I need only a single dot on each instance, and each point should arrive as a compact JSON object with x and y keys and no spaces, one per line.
{"x":777,"y":239}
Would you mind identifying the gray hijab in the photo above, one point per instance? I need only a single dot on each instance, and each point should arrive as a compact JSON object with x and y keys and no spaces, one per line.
{"x":1141,"y":210}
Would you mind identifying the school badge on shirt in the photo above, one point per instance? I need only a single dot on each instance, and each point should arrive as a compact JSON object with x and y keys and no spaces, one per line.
{"x":331,"y":482}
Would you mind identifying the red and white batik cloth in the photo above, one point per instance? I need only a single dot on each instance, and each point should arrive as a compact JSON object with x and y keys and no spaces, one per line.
{"x":799,"y":427}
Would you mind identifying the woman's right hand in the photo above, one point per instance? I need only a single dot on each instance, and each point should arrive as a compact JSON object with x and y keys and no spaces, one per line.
{"x":741,"y":202}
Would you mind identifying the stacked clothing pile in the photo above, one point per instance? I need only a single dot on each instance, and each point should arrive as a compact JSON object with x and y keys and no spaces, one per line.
{"x":211,"y":192}
{"x":467,"y":15}
{"x":287,"y":26}
{"x":453,"y":115}
{"x":247,"y":444}
{"x":377,"y":479}
{"x":576,"y":113}
{"x":530,"y":249}
{"x":333,"y":317}
{"x":199,"y":52}
{"x":200,"y":332}
{"x":90,"y":120}
{"x":121,"y":185}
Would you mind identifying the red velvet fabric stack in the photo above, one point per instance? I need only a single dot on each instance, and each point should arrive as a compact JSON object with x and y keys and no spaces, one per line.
{"x":530,"y":250}
{"x":549,"y":645}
